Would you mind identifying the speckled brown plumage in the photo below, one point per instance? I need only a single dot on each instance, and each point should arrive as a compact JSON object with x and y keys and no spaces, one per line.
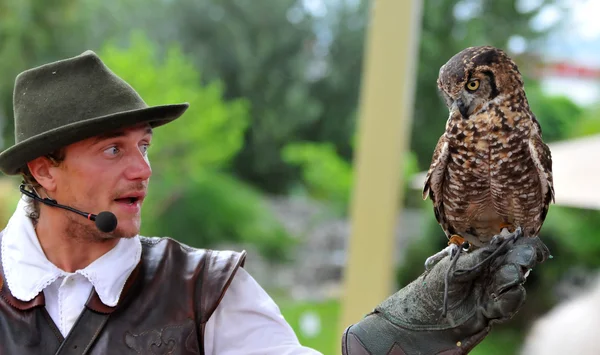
{"x":490,"y":168}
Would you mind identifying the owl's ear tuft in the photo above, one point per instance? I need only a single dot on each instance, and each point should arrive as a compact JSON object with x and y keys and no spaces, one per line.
{"x":488,"y":57}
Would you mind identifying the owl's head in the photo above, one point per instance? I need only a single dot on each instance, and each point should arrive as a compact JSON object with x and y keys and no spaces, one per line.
{"x":475,"y":76}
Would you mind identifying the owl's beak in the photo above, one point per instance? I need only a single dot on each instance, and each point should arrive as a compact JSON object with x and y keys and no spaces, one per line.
{"x":462,"y":108}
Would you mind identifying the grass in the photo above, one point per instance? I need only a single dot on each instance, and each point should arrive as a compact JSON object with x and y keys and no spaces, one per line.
{"x":499,"y":342}
{"x":320,"y":330}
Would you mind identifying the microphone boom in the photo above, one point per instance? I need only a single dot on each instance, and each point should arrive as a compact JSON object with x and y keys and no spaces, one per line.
{"x":105,"y":221}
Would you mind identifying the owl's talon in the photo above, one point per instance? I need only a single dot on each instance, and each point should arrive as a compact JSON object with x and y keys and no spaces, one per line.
{"x":508,"y":227}
{"x":500,"y":238}
{"x":431,"y":261}
{"x":497,"y":239}
{"x":518,"y":233}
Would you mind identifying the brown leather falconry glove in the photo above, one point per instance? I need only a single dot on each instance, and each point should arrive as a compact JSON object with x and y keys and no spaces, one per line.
{"x":410,"y":321}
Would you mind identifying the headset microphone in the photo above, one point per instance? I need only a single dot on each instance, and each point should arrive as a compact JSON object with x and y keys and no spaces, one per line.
{"x":105,"y":221}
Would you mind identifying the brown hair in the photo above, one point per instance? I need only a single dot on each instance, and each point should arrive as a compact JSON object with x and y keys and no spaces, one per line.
{"x":33,"y":206}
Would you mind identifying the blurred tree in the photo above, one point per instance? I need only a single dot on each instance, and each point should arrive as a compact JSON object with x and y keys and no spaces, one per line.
{"x":262,"y":51}
{"x":588,"y":125}
{"x":33,"y":33}
{"x":9,"y":197}
{"x":558,"y":115}
{"x":328,"y":177}
{"x":191,"y":199}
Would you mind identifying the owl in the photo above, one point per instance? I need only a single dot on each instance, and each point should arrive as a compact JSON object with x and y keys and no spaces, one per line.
{"x":491,"y":173}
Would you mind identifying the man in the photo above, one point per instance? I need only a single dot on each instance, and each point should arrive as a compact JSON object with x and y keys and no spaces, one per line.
{"x":69,"y":286}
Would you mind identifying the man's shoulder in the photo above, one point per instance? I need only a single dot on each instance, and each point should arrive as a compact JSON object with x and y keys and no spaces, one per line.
{"x":214,"y":269}
{"x":179,"y":249}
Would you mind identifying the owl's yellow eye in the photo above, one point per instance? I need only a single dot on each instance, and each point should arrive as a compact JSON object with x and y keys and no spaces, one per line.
{"x":473,"y":85}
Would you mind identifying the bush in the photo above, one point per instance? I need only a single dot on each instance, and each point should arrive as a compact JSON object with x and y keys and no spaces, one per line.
{"x":192,"y":198}
{"x":9,"y":196}
{"x":326,"y":176}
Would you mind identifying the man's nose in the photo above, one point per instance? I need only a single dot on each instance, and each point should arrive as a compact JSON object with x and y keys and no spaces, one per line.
{"x":139,"y":167}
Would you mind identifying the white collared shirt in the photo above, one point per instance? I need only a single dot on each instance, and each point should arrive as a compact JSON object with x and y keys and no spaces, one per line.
{"x":247,"y":321}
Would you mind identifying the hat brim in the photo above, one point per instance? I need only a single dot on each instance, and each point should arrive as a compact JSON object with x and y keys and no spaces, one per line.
{"x":15,"y":157}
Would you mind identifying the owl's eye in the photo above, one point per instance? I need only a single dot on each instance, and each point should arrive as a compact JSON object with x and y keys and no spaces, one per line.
{"x":473,"y":85}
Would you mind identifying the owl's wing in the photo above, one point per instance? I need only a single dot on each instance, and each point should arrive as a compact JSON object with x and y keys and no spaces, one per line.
{"x":435,"y":176}
{"x":542,"y":158}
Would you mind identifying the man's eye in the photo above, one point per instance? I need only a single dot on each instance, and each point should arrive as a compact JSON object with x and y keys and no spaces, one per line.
{"x":145,"y":148}
{"x":112,"y":151}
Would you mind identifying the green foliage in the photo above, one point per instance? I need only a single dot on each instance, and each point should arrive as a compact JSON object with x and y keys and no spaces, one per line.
{"x":329,"y":177}
{"x":576,"y":233}
{"x":210,"y":208}
{"x":588,"y":125}
{"x":326,"y":175}
{"x":558,"y":115}
{"x":208,"y":134}
{"x":31,"y":33}
{"x":190,"y":199}
{"x":262,"y":57}
{"x":500,"y":342}
{"x":9,"y":196}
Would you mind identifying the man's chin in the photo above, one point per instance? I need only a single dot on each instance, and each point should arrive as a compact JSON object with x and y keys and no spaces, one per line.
{"x":127,"y":226}
{"x":123,"y":232}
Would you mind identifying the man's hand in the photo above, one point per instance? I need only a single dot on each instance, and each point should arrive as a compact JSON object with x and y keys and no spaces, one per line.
{"x":410,"y":321}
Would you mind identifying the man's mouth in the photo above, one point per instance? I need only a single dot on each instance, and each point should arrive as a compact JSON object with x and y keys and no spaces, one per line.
{"x":131,"y":199}
{"x":128,"y":200}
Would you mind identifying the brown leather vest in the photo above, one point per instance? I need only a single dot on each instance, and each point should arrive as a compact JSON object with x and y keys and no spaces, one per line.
{"x":163,"y":309}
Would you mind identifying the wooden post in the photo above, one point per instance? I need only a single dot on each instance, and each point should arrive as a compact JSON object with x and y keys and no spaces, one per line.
{"x":384,"y":124}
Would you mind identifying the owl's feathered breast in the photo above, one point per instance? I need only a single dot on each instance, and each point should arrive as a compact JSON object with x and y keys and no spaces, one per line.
{"x":490,"y":178}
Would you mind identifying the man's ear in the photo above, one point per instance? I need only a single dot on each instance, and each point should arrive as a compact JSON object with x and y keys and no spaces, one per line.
{"x":43,"y":170}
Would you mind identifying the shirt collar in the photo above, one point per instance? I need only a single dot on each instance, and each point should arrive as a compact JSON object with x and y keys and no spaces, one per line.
{"x":28,"y":272}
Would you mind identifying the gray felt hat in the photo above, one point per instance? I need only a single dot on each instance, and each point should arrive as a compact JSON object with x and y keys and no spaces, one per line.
{"x":63,"y":102}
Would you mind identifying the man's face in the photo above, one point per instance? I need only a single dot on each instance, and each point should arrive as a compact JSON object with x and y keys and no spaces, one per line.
{"x":106,"y":173}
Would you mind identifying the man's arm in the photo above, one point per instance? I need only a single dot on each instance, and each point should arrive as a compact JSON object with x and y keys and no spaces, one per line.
{"x":410,"y":322}
{"x":247,"y":321}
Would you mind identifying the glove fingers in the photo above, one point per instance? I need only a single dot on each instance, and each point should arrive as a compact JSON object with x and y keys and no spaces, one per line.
{"x":505,"y":305}
{"x":530,"y":247}
{"x":507,"y":291}
{"x":507,"y":276}
{"x":527,"y":253}
{"x":542,"y":251}
{"x":524,"y":255}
